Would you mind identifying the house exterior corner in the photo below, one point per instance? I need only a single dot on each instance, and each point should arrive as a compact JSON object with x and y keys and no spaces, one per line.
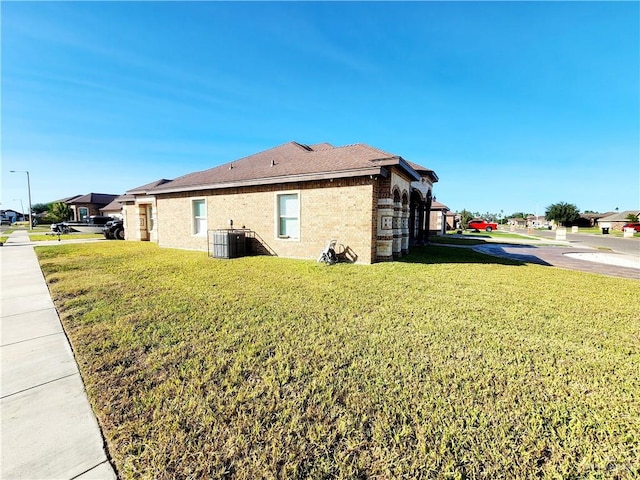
{"x":290,"y":201}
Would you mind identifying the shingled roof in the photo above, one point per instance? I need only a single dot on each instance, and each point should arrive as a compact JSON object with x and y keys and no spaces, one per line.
{"x":424,"y":171}
{"x":438,"y":206}
{"x":145,"y":188}
{"x":95,"y":198}
{"x":114,"y":206}
{"x":291,"y":162}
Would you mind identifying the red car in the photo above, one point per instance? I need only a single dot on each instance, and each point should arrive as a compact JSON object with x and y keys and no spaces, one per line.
{"x":482,"y":225}
{"x":635,"y":226}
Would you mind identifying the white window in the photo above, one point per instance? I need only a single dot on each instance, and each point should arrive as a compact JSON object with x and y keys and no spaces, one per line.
{"x":199,"y":212}
{"x":288,"y":206}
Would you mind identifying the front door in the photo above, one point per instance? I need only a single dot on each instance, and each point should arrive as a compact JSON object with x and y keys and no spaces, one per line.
{"x":143,"y":223}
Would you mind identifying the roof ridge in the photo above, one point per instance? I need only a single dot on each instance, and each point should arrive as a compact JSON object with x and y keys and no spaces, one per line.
{"x":306,"y":147}
{"x":387,"y":154}
{"x":233,"y":161}
{"x":292,"y":142}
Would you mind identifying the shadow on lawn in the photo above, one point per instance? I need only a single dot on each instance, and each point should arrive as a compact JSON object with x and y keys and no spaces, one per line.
{"x":481,"y":252}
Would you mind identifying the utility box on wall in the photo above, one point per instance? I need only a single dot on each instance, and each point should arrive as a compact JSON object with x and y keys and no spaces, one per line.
{"x":227,"y":243}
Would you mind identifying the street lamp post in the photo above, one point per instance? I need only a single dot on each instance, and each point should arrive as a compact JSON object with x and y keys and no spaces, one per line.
{"x":29,"y":192}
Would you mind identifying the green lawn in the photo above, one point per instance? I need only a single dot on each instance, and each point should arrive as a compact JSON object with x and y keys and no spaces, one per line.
{"x":470,"y":237}
{"x":44,"y":236}
{"x":449,"y":364}
{"x":43,"y":233}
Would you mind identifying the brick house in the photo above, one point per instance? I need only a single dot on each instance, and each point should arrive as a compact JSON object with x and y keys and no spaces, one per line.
{"x":84,"y":206}
{"x":616,"y":220}
{"x":294,"y":198}
{"x":113,"y":209}
{"x":438,"y":222}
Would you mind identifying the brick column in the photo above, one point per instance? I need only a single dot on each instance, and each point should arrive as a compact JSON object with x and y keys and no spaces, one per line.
{"x":397,"y":229}
{"x":384,"y":240}
{"x":404,"y":247}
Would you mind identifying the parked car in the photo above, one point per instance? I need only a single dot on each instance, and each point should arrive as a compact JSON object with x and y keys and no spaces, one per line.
{"x":92,"y":224}
{"x":634,"y":225}
{"x":482,"y":225}
{"x":59,"y":228}
{"x":114,"y":230}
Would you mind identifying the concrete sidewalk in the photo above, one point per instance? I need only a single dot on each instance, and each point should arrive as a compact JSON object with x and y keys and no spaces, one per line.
{"x":48,"y":428}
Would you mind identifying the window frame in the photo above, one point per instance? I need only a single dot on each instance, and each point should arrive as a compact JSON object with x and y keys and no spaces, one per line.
{"x":82,"y":217}
{"x":194,"y":218}
{"x":278,"y":217}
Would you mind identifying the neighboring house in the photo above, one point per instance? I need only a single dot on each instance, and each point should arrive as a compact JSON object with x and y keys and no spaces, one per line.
{"x":518,"y":222}
{"x":292,"y":199}
{"x":438,"y":221}
{"x":591,"y":219}
{"x":114,"y":209}
{"x":615,"y":221}
{"x":83,"y":206}
{"x":12,"y":216}
{"x":537,"y":221}
{"x":454,"y":220}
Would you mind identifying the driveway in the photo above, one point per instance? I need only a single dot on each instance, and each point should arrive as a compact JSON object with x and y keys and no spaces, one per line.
{"x":569,"y":257}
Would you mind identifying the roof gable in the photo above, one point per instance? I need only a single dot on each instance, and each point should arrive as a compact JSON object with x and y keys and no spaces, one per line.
{"x":114,"y":206}
{"x":424,"y":171}
{"x":438,"y":206}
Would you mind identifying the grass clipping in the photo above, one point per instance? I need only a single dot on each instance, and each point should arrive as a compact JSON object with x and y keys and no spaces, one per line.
{"x":447,"y":365}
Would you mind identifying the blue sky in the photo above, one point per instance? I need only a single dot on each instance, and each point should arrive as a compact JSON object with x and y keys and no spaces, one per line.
{"x":515,"y":105}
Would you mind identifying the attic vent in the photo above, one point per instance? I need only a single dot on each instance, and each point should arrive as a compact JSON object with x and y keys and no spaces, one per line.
{"x":230,"y":166}
{"x":273,"y":162}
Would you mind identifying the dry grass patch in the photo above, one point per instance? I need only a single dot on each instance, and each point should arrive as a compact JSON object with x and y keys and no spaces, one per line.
{"x":260,"y":367}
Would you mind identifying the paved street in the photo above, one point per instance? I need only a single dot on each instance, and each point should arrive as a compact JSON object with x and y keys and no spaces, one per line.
{"x":630,"y":246}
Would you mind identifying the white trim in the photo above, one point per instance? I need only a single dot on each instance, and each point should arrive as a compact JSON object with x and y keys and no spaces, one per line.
{"x":276,"y":215}
{"x":145,"y":199}
{"x":363,"y":172}
{"x":80,"y":216}
{"x":192,"y":215}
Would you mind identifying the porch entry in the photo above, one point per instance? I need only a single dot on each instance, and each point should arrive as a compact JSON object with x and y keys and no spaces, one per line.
{"x":419,"y":218}
{"x":145,"y":221}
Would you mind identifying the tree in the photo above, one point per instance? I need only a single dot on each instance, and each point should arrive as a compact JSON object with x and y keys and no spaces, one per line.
{"x":631,"y":217}
{"x":465,"y":217}
{"x":59,"y":212}
{"x":39,"y":208}
{"x":562,"y":212}
{"x":491,"y":217}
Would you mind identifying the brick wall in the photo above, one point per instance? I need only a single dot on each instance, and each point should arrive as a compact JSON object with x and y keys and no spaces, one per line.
{"x":129,"y":221}
{"x":341,"y":209}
